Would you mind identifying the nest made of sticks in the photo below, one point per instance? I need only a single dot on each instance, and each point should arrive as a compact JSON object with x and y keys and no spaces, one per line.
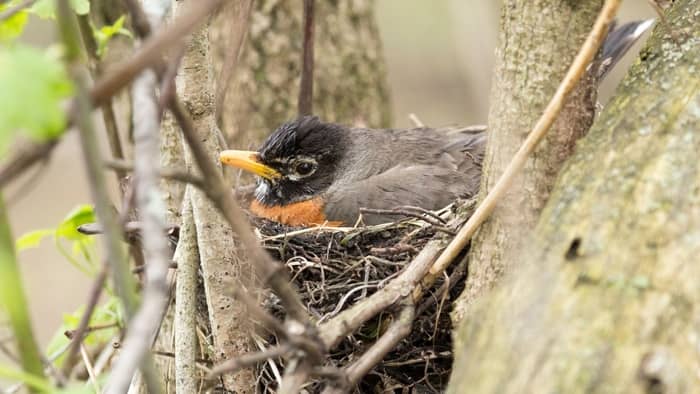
{"x":332,"y":268}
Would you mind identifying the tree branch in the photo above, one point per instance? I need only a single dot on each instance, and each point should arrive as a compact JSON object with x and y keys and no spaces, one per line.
{"x":573,"y":75}
{"x":187,"y":257}
{"x":306,"y":88}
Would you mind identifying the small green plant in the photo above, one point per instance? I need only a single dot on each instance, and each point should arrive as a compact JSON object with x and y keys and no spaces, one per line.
{"x":77,"y":248}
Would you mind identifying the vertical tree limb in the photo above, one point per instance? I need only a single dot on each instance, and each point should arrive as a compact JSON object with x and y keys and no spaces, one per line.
{"x":187,"y":258}
{"x":219,"y":251}
{"x":306,"y":88}
{"x":143,"y":328}
{"x":543,"y":54}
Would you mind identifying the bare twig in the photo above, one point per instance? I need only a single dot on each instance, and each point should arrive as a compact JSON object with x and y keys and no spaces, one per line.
{"x":239,"y":31}
{"x":573,"y":75}
{"x":12,"y":11}
{"x":397,"y":331}
{"x":24,"y":158}
{"x":89,"y":368}
{"x":79,"y":332}
{"x":414,"y":212}
{"x":116,"y":258}
{"x":167,"y":173}
{"x":120,"y":270}
{"x":107,"y":107}
{"x":249,"y":360}
{"x":333,"y":331}
{"x":150,"y":53}
{"x":306,"y":88}
{"x":416,"y":121}
{"x":143,"y":328}
{"x":270,"y":270}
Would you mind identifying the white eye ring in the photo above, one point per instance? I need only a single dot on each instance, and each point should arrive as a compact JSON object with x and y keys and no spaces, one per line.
{"x":302,"y":168}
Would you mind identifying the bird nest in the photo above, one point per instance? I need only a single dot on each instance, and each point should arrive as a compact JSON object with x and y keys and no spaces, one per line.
{"x":332,"y":268}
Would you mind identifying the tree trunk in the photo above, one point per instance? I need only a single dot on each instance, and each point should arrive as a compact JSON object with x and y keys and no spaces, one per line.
{"x":349,"y":77}
{"x":607,"y":298}
{"x":538,"y":42}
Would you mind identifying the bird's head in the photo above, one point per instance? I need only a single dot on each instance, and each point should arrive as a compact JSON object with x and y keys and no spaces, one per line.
{"x":296,"y":162}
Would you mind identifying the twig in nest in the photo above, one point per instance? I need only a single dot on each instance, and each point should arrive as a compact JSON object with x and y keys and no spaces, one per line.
{"x":397,"y":331}
{"x":249,"y":360}
{"x":415,"y":212}
{"x":415,"y":120}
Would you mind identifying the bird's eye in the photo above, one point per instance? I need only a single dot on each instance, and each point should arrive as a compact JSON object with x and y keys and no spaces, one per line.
{"x":304,"y":168}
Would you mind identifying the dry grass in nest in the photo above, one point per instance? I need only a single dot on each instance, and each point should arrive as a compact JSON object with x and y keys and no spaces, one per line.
{"x":333,"y":268}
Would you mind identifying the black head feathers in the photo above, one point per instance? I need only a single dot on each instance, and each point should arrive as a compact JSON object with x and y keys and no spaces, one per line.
{"x":306,"y":135}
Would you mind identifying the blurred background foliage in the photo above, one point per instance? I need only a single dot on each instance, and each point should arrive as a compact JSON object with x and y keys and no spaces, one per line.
{"x":439,"y":57}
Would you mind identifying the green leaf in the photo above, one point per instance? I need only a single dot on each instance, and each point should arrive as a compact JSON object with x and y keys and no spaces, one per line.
{"x":81,"y":214}
{"x":46,"y":9}
{"x":32,"y":239}
{"x":105,"y":314}
{"x":107,"y":32}
{"x":32,"y":87}
{"x":12,"y":27}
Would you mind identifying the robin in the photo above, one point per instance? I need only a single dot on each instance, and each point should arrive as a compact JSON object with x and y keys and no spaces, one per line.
{"x":311,"y":172}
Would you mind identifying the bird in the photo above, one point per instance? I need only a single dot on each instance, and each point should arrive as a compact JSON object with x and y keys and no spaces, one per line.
{"x":312,"y":172}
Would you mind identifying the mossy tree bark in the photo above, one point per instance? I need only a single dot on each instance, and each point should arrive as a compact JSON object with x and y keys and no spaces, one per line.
{"x":538,"y":42}
{"x":349,"y":77}
{"x":607,"y":297}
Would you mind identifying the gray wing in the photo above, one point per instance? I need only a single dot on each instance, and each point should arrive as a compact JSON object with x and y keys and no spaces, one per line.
{"x":425,"y":186}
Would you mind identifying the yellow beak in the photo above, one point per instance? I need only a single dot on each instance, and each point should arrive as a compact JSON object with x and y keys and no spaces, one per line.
{"x":248,"y":160}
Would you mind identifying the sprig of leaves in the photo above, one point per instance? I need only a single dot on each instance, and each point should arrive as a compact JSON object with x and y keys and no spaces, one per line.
{"x":81,"y":245}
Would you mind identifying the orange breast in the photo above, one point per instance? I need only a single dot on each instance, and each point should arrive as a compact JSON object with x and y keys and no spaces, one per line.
{"x":304,"y":213}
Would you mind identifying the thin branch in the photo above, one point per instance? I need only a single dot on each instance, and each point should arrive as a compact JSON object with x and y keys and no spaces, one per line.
{"x":12,"y":11}
{"x":306,"y":88}
{"x":143,"y":328}
{"x":167,"y":173}
{"x":238,"y":33}
{"x":90,"y":370}
{"x":107,"y":109}
{"x":416,"y":121}
{"x":123,"y":280}
{"x":333,"y":331}
{"x":14,"y":301}
{"x":79,"y":332}
{"x":270,"y":270}
{"x":248,"y":360}
{"x":149,"y":55}
{"x":397,"y":331}
{"x":573,"y":75}
{"x":151,"y":52}
{"x":117,"y":259}
{"x":24,"y":158}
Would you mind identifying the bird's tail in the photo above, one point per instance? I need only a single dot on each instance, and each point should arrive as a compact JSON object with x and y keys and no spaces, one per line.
{"x":618,"y":42}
